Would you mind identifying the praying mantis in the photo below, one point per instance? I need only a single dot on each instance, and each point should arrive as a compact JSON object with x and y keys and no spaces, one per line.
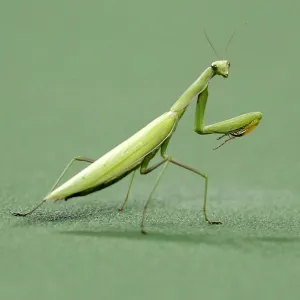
{"x":137,"y":151}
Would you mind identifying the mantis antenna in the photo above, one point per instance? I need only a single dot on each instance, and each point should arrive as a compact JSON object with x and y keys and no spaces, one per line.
{"x":211,"y":44}
{"x":229,"y":41}
{"x":227,"y":45}
{"x":231,"y":135}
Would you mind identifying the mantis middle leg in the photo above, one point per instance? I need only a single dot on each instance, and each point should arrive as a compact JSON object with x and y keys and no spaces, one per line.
{"x":167,"y":159}
{"x":143,"y":172}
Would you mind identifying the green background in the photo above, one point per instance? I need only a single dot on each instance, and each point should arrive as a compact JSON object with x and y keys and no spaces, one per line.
{"x":78,"y":78}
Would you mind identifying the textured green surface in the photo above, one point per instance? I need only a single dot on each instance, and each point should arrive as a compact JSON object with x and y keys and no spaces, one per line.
{"x":77,"y":78}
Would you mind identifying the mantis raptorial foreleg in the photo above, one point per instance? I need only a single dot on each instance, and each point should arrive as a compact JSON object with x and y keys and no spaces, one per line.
{"x":234,"y":127}
{"x":167,"y":159}
{"x":77,"y":158}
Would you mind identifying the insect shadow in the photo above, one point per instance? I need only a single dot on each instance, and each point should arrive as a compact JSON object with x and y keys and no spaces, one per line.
{"x":88,"y":212}
{"x":231,"y":240}
{"x":161,"y":234}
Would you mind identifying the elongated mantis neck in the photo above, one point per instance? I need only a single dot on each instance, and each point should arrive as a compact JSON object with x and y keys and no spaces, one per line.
{"x":195,"y":88}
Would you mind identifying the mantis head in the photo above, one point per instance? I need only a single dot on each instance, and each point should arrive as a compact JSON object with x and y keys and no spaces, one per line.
{"x":221,"y":67}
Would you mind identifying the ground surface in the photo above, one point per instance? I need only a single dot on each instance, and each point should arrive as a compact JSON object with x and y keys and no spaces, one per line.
{"x":74,"y":251}
{"x":79,"y":77}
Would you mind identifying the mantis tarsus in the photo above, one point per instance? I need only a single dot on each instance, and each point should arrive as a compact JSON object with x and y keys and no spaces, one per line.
{"x":137,"y":151}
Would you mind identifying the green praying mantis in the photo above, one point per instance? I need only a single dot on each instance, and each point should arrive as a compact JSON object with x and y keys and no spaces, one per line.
{"x":136,"y":152}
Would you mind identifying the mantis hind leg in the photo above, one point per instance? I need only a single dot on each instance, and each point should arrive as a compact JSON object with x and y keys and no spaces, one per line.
{"x":144,"y":170}
{"x":166,"y":162}
{"x":77,"y":158}
{"x":167,"y":159}
{"x":128,"y":191}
